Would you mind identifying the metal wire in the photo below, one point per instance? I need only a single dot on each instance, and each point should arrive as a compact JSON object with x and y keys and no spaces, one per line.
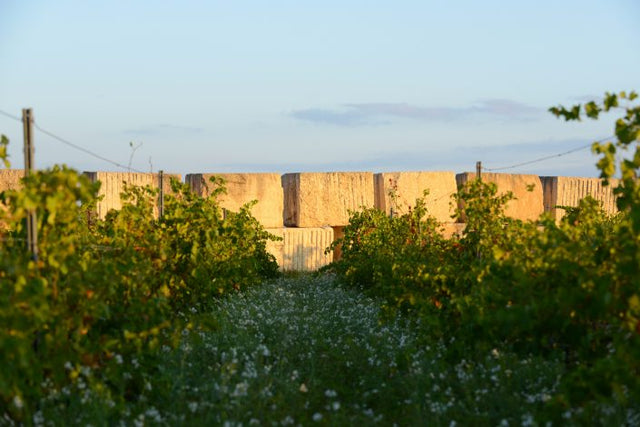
{"x":72,"y":145}
{"x":542,"y":159}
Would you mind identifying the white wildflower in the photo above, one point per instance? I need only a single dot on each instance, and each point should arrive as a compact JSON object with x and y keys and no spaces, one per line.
{"x":38,"y":418}
{"x":17,"y":402}
{"x":241,"y":389}
{"x":287,"y":421}
{"x":139,"y":422}
{"x":154,"y":414}
{"x":527,"y":420}
{"x":330,"y":393}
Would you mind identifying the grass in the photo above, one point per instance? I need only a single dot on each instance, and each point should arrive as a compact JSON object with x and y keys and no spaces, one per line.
{"x":304,"y":351}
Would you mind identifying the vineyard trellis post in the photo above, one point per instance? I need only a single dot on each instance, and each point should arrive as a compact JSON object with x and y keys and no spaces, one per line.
{"x":32,"y":223}
{"x":161,"y":195}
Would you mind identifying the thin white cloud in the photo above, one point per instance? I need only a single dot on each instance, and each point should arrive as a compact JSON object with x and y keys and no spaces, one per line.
{"x":507,"y":108}
{"x":163,"y":128}
{"x":359,"y":114}
{"x":351,"y":117}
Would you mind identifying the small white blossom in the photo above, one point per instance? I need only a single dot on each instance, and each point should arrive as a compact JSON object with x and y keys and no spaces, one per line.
{"x":17,"y":402}
{"x":330,"y":393}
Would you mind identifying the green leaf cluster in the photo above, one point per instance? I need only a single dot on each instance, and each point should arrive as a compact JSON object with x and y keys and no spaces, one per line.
{"x":101,"y":290}
{"x":567,"y":289}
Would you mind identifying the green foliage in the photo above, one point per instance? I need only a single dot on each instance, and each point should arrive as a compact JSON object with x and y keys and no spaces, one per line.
{"x":627,"y":132}
{"x":4,"y":142}
{"x":569,"y":289}
{"x":103,"y":290}
{"x":397,"y":257}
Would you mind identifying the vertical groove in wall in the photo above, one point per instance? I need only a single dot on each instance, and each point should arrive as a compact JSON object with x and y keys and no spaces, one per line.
{"x":378,"y":187}
{"x":112,"y":185}
{"x":553,"y":183}
{"x":303,"y":248}
{"x":569,"y":191}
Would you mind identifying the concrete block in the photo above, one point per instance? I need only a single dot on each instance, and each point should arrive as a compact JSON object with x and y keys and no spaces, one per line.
{"x":10,"y":179}
{"x":527,"y":189}
{"x":242,"y":188}
{"x":113,"y":183}
{"x":408,"y":186}
{"x":325,"y":199}
{"x":568,"y":191}
{"x":302,"y":249}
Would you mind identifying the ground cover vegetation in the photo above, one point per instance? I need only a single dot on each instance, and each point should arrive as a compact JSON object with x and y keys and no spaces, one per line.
{"x":179,"y":320}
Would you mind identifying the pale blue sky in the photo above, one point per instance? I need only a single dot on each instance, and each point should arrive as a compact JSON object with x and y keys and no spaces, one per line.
{"x":285,"y":86}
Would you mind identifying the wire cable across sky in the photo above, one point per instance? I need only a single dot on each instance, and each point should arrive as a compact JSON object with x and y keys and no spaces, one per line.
{"x":542,"y":159}
{"x":72,"y":145}
{"x":11,"y":116}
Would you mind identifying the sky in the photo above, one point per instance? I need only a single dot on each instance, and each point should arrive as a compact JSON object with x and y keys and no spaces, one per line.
{"x":313,"y":86}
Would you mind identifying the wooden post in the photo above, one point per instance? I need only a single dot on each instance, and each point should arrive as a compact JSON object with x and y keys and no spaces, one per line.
{"x":161,"y":197}
{"x":32,"y":223}
{"x":479,"y":170}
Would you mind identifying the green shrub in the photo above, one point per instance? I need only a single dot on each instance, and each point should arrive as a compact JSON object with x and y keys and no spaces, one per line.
{"x":568,"y":289}
{"x":101,"y":291}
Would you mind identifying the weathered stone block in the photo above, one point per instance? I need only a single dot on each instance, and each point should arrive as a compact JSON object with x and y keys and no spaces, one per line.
{"x":10,"y":179}
{"x":325,"y":199}
{"x":527,"y":189}
{"x":242,"y":188}
{"x":113,"y":184}
{"x":408,"y":186}
{"x":338,"y":233}
{"x":452,"y":229}
{"x":276,"y":248}
{"x":302,"y":249}
{"x":568,"y":191}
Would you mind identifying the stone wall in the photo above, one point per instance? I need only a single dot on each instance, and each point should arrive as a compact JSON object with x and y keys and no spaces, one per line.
{"x":302,"y":249}
{"x":568,"y":191}
{"x":113,"y":184}
{"x":243,"y":188}
{"x":527,"y":189}
{"x":310,"y":210}
{"x":325,"y":199}
{"x":408,"y":186}
{"x":10,"y":179}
